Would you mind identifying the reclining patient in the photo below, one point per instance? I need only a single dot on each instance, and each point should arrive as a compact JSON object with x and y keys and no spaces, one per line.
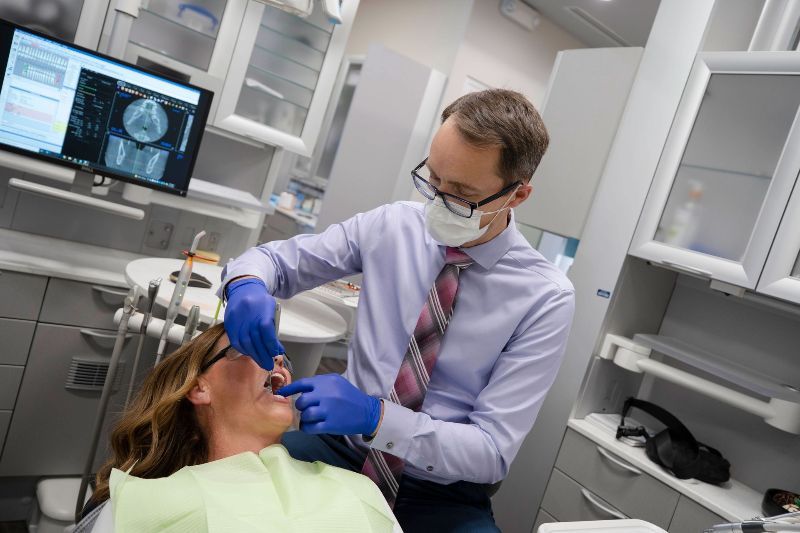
{"x":198,"y":450}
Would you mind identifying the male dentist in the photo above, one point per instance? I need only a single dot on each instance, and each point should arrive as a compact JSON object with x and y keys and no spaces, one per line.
{"x":460,"y":329}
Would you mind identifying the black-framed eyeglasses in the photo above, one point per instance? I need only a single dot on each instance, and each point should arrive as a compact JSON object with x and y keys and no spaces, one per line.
{"x":457,"y":205}
{"x":233,"y":354}
{"x":219,"y":355}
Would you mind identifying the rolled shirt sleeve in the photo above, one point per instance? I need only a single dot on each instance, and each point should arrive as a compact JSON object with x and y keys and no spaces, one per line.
{"x":481,"y":451}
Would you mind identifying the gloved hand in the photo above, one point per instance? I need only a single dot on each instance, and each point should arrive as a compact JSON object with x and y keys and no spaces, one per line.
{"x":331,"y":404}
{"x":250,"y":321}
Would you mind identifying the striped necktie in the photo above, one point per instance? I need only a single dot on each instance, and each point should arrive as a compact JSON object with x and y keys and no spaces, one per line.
{"x":415,"y":370}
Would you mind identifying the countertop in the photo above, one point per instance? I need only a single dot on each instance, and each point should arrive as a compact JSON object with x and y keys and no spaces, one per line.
{"x":301,"y":217}
{"x":48,"y":256}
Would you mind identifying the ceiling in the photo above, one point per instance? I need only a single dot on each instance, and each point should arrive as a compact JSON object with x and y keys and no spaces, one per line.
{"x":602,"y":23}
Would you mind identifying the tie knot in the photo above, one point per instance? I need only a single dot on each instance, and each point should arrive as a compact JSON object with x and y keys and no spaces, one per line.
{"x":454,"y":256}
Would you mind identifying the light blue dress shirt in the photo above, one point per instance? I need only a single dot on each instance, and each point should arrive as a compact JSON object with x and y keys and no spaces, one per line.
{"x":499,"y":356}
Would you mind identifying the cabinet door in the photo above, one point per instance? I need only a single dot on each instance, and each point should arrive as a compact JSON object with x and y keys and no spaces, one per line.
{"x":727,"y":169}
{"x":781,"y":277}
{"x":192,"y":42}
{"x":281,"y":75}
{"x":51,"y":428}
{"x":70,"y":20}
{"x":689,"y":516}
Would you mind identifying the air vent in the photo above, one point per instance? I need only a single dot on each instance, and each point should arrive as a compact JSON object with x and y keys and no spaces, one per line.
{"x":596,"y":25}
{"x":90,"y":375}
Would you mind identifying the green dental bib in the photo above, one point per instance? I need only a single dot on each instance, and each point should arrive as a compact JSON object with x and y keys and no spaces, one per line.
{"x":269,"y":492}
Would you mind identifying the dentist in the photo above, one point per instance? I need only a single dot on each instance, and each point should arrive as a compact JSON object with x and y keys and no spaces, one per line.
{"x":460,"y":328}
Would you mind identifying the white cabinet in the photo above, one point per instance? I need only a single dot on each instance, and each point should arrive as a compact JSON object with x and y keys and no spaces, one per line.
{"x":71,"y":20}
{"x":781,"y":276}
{"x":281,"y":75}
{"x":271,"y":72}
{"x":585,"y":100}
{"x":728,"y":167}
{"x":190,"y":41}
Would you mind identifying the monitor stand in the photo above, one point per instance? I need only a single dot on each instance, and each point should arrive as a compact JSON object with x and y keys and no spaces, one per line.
{"x":83,"y":183}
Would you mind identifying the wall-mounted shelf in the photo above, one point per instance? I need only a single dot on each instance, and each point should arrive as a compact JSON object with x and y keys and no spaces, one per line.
{"x":780,"y":410}
{"x":734,"y":501}
{"x":205,"y":198}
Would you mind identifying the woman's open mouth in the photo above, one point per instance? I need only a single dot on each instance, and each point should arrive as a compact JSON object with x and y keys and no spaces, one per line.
{"x":275,"y":381}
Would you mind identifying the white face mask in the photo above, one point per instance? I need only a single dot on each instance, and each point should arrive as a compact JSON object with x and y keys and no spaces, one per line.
{"x":452,"y":230}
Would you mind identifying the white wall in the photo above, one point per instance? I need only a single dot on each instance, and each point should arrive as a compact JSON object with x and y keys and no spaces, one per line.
{"x":500,"y":53}
{"x":429,"y":32}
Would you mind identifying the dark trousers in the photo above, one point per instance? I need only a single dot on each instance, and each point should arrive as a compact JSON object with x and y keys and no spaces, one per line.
{"x":421,"y":506}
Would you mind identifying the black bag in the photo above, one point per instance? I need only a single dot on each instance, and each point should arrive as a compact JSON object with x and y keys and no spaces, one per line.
{"x":674,"y":447}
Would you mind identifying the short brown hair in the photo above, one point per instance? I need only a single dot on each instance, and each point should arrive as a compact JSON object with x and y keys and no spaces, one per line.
{"x":499,"y":117}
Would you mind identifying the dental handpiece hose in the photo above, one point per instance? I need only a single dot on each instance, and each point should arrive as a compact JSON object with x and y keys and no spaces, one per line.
{"x":129,"y":307}
{"x":177,"y":296}
{"x":152,"y":292}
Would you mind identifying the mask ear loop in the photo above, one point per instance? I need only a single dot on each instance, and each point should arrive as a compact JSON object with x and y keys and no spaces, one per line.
{"x":496,"y":213}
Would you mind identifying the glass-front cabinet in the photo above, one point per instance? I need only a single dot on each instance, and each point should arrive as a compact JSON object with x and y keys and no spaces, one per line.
{"x":190,"y":41}
{"x":781,"y":276}
{"x":728,"y":167}
{"x":281,"y":75}
{"x":70,"y":20}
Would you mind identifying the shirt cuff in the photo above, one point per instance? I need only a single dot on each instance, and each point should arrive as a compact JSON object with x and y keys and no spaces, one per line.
{"x":233,"y":271}
{"x":393,"y":433}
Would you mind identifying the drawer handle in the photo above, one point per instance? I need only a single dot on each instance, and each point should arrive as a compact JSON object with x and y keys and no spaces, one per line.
{"x":107,"y":290}
{"x":619,"y":462}
{"x":101,"y":335}
{"x":689,"y":269}
{"x":595,"y":501}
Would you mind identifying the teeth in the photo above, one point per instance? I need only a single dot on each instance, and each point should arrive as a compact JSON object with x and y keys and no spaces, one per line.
{"x":277,"y":381}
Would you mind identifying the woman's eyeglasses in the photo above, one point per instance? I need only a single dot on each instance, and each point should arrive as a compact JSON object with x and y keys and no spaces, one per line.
{"x":227,"y":352}
{"x":230,"y":353}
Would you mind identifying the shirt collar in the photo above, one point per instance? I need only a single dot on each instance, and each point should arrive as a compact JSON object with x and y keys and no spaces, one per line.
{"x":489,"y":253}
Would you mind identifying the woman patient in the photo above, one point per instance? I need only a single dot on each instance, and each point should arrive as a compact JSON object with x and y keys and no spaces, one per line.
{"x":198,"y":450}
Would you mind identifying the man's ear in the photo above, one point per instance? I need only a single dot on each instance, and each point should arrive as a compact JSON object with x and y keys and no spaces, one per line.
{"x":200,"y":394}
{"x":523,"y":193}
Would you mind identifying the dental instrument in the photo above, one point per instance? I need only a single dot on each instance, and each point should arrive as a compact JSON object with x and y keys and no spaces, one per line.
{"x":753,"y":526}
{"x":277,"y":321}
{"x":177,"y":295}
{"x":192,"y":321}
{"x":152,"y":291}
{"x":778,"y":523}
{"x":129,"y":307}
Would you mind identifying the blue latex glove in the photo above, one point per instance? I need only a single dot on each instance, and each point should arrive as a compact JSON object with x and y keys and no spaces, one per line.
{"x":250,"y":321}
{"x":331,"y":404}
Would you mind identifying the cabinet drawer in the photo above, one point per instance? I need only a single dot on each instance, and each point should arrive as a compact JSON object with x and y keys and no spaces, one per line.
{"x":542,"y":518}
{"x":73,"y":303}
{"x":21,"y":294}
{"x":690,"y":516}
{"x":629,"y":489}
{"x":54,"y":415}
{"x":5,"y":420}
{"x":10,"y":378}
{"x":15,"y":340}
{"x":567,"y":501}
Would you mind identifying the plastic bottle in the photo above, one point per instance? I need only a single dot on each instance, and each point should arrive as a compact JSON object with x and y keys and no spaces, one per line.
{"x":683,"y":229}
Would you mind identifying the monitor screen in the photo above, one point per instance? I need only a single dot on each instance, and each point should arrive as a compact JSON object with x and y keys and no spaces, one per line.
{"x":80,"y":108}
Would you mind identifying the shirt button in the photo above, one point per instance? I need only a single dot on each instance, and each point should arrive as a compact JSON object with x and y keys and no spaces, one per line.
{"x":389,"y":445}
{"x":429,"y":469}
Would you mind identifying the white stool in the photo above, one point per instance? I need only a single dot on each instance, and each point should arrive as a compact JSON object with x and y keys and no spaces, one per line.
{"x":54,"y":509}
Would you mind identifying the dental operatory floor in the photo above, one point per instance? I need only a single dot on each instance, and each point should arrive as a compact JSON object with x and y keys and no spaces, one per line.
{"x":326,"y":366}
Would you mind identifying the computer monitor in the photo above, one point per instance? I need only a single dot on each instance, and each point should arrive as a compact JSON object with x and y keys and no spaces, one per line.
{"x":79,"y":108}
